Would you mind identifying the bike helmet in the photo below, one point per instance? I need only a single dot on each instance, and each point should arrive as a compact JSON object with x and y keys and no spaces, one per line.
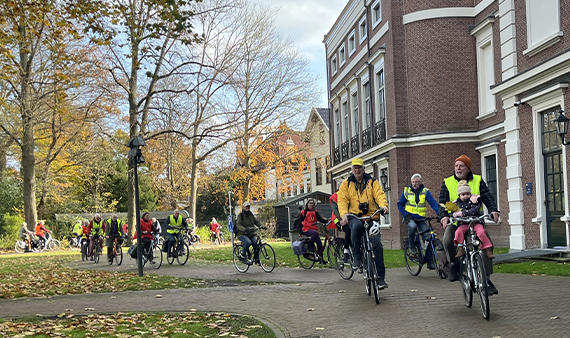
{"x":374,"y":229}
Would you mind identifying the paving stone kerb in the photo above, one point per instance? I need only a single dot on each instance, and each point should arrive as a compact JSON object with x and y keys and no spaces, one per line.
{"x":527,"y":306}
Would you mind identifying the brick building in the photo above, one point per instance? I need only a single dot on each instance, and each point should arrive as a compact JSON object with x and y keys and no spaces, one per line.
{"x":414,"y":84}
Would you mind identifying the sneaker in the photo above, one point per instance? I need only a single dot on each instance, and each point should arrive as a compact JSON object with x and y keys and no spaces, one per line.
{"x":431,"y":266}
{"x":382,"y":284}
{"x":356,"y":264}
{"x":491,"y":289}
{"x":413,"y":252}
{"x":460,"y":252}
{"x":242,"y":256}
{"x":322,"y":261}
{"x":489,"y":252}
{"x":346,"y":257}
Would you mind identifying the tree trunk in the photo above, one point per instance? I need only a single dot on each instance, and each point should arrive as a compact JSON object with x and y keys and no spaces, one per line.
{"x":193,"y":182}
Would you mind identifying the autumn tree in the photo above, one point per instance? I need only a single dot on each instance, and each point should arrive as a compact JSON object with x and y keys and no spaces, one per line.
{"x":271,"y":89}
{"x":35,"y":63}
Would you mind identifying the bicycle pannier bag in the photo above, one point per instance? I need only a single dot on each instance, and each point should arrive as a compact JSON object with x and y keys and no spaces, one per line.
{"x":299,"y":248}
{"x":133,"y":251}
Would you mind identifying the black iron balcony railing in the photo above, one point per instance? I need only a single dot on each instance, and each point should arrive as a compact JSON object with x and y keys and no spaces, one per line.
{"x":380,"y":132}
{"x":366,"y":139}
{"x":337,"y":158}
{"x":344,"y":151}
{"x":355,"y":145}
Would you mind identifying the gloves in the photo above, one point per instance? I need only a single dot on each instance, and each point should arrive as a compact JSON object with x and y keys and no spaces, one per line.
{"x":474,"y":198}
{"x":458,"y":214}
{"x":249,"y":231}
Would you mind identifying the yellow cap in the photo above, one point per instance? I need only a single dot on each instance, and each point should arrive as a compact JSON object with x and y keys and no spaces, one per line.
{"x":357,"y":161}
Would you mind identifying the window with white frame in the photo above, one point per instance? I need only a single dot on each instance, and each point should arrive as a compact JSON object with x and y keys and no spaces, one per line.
{"x":362,"y":29}
{"x":366,"y":105}
{"x":380,"y":96}
{"x":355,"y":116}
{"x":490,"y":170}
{"x":376,"y":13}
{"x":341,"y":55}
{"x":543,"y":24}
{"x":485,"y":69}
{"x":334,"y":65}
{"x":345,"y":121}
{"x":337,"y":128}
{"x":351,"y":43}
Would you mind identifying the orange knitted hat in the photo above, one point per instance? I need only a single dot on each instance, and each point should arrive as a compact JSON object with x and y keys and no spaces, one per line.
{"x":464,"y":159}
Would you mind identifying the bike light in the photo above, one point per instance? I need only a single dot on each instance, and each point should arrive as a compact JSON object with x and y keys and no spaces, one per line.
{"x":476,"y":242}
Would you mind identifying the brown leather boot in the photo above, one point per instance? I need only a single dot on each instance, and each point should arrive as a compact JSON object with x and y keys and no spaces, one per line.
{"x":460,"y":252}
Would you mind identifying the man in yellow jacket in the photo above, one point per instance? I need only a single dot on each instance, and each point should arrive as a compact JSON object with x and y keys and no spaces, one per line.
{"x":361,"y":194}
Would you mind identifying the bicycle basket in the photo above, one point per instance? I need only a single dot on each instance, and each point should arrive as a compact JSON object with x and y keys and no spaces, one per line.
{"x":299,"y":248}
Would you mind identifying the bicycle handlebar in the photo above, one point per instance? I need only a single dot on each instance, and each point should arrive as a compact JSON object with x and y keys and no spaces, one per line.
{"x":470,"y":219}
{"x":365,"y":218}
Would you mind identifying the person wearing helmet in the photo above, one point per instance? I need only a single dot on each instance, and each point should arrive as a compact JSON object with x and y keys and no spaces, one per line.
{"x":309,"y":217}
{"x":361,"y":194}
{"x":175,"y":225}
{"x":413,"y":207}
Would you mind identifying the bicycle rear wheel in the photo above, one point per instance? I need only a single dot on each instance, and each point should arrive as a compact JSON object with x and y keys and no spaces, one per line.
{"x":96,"y":254}
{"x":156,"y":260}
{"x":239,"y":264}
{"x":344,"y":269}
{"x":307,"y":261}
{"x":331,"y":255}
{"x":20,"y":246}
{"x":413,"y":264}
{"x":118,"y":254}
{"x":481,"y":285}
{"x":267,"y":257}
{"x":183,"y":253}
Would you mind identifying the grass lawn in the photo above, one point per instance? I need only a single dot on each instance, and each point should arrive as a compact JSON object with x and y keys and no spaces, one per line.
{"x":156,"y":325}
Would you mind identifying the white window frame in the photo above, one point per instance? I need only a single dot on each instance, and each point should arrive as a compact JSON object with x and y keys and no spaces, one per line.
{"x":355,"y":116}
{"x":345,"y":125}
{"x":342,"y":55}
{"x":488,"y":150}
{"x":338,"y":129}
{"x":378,"y":19}
{"x":334,"y":65}
{"x":351,"y":40}
{"x":366,"y":108}
{"x":485,"y":72}
{"x":362,"y":29}
{"x":540,"y":16}
{"x":377,"y":89}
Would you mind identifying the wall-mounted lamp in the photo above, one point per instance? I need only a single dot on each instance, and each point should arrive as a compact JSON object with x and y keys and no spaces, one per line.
{"x":562,"y":127}
{"x":519,"y":103}
{"x":384,"y":180}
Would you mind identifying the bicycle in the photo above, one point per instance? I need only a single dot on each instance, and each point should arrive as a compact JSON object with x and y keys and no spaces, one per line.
{"x":74,"y":243}
{"x":179,"y":250}
{"x":473,"y":276}
{"x":266,"y":256}
{"x":414,"y":263}
{"x":117,"y":252}
{"x":153,"y":255}
{"x":217,"y":238}
{"x":84,"y":248}
{"x":191,"y":239}
{"x":369,"y":271}
{"x":96,"y":249}
{"x":157,"y":239}
{"x":50,"y":243}
{"x":308,"y":259}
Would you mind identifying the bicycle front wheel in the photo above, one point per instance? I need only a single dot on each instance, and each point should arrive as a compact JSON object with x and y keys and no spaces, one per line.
{"x":481,"y":285}
{"x":55,"y":245}
{"x":96,"y":254}
{"x":118,"y":254}
{"x":183,"y":253}
{"x":373,"y":275}
{"x":170,"y":256}
{"x":239,"y":264}
{"x":267,"y":257}
{"x":20,"y":246}
{"x":466,"y":285}
{"x":307,"y":261}
{"x":344,"y":269}
{"x":413,"y":262}
{"x":156,"y":260}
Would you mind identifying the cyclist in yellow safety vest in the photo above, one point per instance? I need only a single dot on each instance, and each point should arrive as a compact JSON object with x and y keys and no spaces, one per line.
{"x":77,"y":231}
{"x":96,"y":226}
{"x":175,"y":224}
{"x":413,"y":207}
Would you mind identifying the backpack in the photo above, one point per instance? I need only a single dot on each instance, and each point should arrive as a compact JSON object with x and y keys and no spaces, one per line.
{"x":133,"y":251}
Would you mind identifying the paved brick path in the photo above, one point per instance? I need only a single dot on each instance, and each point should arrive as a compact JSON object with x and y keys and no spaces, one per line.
{"x":411,"y":306}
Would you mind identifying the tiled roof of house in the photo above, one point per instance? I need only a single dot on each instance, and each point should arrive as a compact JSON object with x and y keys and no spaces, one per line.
{"x":325,"y":115}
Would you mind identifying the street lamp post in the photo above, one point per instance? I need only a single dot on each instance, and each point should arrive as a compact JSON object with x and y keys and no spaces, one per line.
{"x":135,"y":157}
{"x":562,"y":126}
{"x":230,"y":217}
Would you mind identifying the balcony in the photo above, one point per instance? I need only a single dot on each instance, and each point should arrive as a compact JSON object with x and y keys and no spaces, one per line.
{"x":355,"y":145}
{"x":344,"y":151}
{"x":337,"y":155}
{"x":380,"y":132}
{"x":366,"y":139}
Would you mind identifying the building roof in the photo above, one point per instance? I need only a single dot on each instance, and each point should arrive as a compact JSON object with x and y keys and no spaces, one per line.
{"x":324,"y":113}
{"x":302,"y":197}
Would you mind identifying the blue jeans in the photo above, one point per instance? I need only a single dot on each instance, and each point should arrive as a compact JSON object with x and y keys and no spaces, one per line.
{"x":247,"y":242}
{"x":356,"y":232}
{"x":171,"y":239}
{"x":421,"y":226}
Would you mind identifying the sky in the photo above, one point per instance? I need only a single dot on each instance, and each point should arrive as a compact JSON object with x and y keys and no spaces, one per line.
{"x":307,"y":22}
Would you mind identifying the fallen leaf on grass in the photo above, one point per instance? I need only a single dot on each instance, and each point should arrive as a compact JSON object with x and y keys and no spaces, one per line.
{"x":310,"y":309}
{"x":428,"y":297}
{"x":554,"y":317}
{"x":158,"y":296}
{"x":341,"y":291}
{"x":319,"y":328}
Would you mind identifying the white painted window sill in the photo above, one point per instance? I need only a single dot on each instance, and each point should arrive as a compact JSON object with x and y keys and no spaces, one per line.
{"x":487,"y":115}
{"x":542,"y":45}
